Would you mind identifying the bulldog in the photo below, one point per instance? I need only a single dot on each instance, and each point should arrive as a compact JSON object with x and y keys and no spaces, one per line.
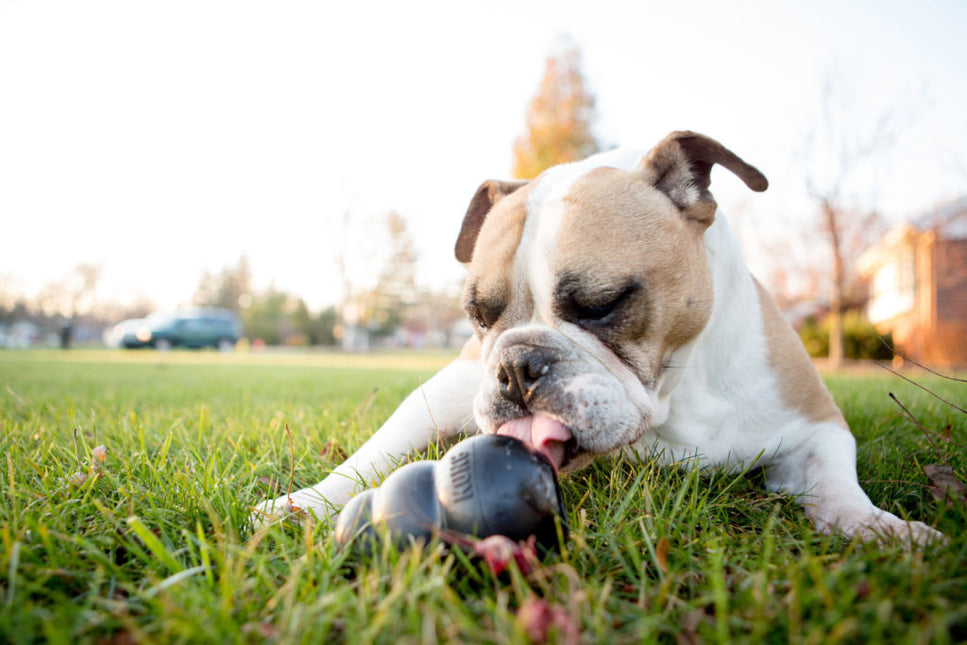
{"x":613,"y":312}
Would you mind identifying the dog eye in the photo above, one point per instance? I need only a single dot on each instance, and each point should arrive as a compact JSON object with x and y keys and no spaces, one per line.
{"x":594,"y":312}
{"x":479,"y":321}
{"x":482,"y":315}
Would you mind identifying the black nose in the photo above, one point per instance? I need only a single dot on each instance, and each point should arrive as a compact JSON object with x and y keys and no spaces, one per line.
{"x":520,"y":371}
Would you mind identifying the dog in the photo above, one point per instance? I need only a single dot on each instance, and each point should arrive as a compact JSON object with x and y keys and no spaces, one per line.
{"x":613,"y":312}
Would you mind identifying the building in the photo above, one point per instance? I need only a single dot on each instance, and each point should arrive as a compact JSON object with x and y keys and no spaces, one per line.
{"x":918,"y":285}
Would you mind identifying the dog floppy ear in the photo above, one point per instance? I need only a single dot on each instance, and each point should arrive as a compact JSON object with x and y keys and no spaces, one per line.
{"x":680,"y":166}
{"x":489,"y":193}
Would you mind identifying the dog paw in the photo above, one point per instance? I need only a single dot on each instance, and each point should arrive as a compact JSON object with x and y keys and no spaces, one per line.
{"x":274,"y":510}
{"x":288,"y":508}
{"x":912,"y":533}
{"x":881,"y":526}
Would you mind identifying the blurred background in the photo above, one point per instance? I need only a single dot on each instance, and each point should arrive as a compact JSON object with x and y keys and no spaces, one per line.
{"x":295,"y":174}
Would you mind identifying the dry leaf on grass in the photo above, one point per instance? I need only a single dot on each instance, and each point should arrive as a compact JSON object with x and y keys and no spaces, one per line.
{"x":542,"y":620}
{"x":333,"y":452}
{"x":497,"y":551}
{"x":661,"y":554}
{"x":98,"y":457}
{"x":944,"y":484}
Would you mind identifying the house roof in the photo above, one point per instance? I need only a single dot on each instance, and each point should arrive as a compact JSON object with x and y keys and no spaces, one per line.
{"x":948,"y":221}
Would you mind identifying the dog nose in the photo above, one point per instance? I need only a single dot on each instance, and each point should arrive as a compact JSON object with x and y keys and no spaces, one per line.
{"x":519,"y":371}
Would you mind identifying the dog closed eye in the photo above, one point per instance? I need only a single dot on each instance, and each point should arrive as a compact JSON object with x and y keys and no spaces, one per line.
{"x":574,"y":305}
{"x":482,"y":313}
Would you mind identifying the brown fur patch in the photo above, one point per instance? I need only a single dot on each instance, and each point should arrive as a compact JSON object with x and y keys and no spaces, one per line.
{"x":680,"y":166}
{"x":799,"y":384}
{"x":486,"y":197}
{"x":617,"y":227}
{"x":490,"y":279}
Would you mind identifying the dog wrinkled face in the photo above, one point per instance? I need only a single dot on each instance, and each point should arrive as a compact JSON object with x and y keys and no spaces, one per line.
{"x":585,"y":286}
{"x":581,"y":289}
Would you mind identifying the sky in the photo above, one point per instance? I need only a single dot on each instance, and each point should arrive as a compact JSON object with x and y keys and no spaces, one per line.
{"x":159,"y":140}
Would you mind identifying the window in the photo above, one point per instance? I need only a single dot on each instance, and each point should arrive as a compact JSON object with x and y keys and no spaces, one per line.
{"x":894,"y":287}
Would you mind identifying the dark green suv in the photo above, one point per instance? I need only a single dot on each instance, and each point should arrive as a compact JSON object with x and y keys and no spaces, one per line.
{"x":193,"y":328}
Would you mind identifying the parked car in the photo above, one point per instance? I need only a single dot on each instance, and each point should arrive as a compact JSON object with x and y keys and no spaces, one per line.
{"x":124,"y":334}
{"x":193,"y":328}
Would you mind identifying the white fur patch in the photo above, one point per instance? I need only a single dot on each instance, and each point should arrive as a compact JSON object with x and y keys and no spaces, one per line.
{"x":545,"y":211}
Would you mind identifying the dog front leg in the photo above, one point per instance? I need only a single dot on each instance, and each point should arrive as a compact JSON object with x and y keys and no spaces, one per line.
{"x":440,"y":409}
{"x":822,"y":472}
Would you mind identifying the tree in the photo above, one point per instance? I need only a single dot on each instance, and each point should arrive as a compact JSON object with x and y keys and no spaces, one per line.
{"x":231,"y":288}
{"x":842,"y":149}
{"x":352,"y":246}
{"x":559,"y":118}
{"x":381,"y":310}
{"x":397,"y":281}
{"x":74,"y":294}
{"x":265,"y":318}
{"x":323,"y":327}
{"x":70,"y":297}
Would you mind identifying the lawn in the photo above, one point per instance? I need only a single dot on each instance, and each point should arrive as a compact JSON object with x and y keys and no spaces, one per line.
{"x":154,"y":545}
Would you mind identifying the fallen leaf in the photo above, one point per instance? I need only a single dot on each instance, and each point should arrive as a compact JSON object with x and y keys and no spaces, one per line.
{"x":947,"y":433}
{"x":121,"y":637}
{"x":264,"y":630}
{"x":944,"y":484}
{"x":332,"y":451}
{"x":661,"y":554}
{"x":497,"y":551}
{"x":542,"y":620}
{"x":690,"y":622}
{"x":77,"y":479}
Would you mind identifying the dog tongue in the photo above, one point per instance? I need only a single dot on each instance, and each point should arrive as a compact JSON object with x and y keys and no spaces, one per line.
{"x":542,"y":433}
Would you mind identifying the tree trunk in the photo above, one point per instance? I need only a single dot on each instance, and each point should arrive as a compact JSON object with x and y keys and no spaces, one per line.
{"x":835,"y":335}
{"x":836,"y":299}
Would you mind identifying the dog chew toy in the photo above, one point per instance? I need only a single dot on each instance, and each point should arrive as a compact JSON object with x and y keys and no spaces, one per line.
{"x":483,"y":486}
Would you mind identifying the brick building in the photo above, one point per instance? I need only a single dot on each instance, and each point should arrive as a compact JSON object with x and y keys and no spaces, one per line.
{"x":918,"y":285}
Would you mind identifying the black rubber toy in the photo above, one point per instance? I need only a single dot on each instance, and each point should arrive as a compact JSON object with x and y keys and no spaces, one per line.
{"x":485,"y":485}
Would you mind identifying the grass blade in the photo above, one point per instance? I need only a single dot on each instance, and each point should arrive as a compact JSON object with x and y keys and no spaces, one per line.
{"x":154,"y":545}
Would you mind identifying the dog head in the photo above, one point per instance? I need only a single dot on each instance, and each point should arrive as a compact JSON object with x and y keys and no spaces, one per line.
{"x":583,"y":284}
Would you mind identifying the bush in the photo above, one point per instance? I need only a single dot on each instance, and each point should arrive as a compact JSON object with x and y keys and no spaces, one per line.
{"x":861,"y":340}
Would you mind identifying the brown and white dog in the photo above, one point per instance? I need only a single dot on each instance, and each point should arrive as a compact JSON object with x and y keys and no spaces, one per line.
{"x":614,"y":312}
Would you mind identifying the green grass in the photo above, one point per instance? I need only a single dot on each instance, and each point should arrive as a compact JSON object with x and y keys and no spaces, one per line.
{"x":158,"y":548}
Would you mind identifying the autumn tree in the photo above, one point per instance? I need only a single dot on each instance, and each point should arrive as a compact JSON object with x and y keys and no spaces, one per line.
{"x":559,"y":118}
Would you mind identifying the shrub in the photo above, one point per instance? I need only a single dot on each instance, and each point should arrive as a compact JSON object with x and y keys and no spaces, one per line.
{"x":861,"y":340}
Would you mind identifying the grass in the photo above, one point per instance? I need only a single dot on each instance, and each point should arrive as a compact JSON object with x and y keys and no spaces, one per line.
{"x":157,"y":548}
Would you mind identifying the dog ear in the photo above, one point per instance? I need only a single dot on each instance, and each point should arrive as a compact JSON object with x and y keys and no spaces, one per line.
{"x":489,"y":193}
{"x":680,"y":166}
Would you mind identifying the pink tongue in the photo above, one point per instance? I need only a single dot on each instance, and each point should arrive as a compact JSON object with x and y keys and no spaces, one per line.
{"x":542,"y":433}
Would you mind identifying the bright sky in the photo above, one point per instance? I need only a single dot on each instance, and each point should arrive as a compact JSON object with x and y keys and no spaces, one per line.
{"x":160,"y":139}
